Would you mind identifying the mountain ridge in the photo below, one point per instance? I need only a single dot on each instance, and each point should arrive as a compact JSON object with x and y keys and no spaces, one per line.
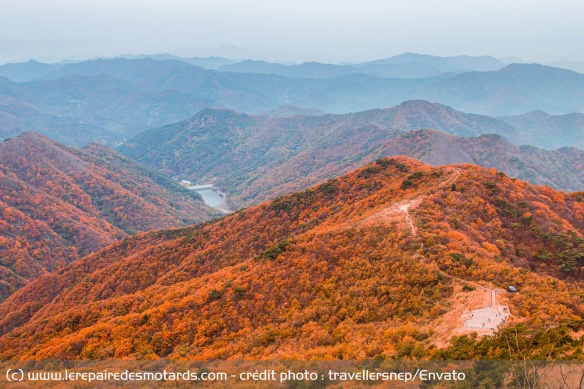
{"x":549,"y":131}
{"x":528,"y":163}
{"x":336,"y":273}
{"x":112,"y":100}
{"x":514,"y":89}
{"x":222,"y":147}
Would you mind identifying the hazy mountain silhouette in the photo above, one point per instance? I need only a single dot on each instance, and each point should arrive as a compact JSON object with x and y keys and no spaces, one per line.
{"x":444,"y":64}
{"x":111,"y":100}
{"x":205,"y":62}
{"x":25,"y":71}
{"x":549,"y":131}
{"x":515,"y":89}
{"x":403,"y":66}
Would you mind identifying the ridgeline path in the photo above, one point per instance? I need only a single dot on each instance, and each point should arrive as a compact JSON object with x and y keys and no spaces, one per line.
{"x":486,"y":319}
{"x":405,"y":207}
{"x":395,"y":211}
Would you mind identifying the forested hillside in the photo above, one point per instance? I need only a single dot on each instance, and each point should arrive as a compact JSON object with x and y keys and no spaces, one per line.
{"x":256,"y":158}
{"x":58,"y":204}
{"x":374,"y":264}
{"x":563,"y":168}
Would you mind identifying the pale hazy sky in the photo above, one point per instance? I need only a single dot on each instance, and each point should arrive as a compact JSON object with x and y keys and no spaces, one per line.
{"x":286,"y":30}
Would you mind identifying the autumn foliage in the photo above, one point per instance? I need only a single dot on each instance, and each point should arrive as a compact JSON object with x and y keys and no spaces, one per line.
{"x":58,"y":204}
{"x":333,"y":272}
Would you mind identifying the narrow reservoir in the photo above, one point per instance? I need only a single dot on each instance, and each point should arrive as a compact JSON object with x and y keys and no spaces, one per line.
{"x":212,"y":196}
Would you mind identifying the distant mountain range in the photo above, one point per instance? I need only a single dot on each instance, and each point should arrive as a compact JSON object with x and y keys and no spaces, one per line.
{"x":383,"y":263}
{"x":205,"y":62}
{"x":77,"y":110}
{"x":407,"y":65}
{"x":110,"y":101}
{"x":58,"y":204}
{"x":457,"y":64}
{"x":515,"y":89}
{"x":34,"y":70}
{"x":255,"y":158}
{"x":26,"y":71}
{"x":403,"y":65}
{"x":549,"y":131}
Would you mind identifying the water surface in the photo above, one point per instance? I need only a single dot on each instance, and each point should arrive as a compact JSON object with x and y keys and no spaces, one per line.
{"x":211,"y":196}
